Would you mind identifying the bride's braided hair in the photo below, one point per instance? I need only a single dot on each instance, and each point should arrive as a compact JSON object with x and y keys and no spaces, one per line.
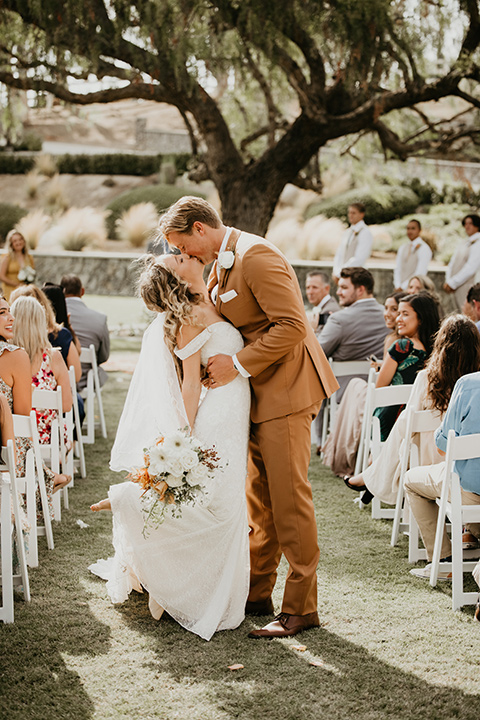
{"x":162,"y":290}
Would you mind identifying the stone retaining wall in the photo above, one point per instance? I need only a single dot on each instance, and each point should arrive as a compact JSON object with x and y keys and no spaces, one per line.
{"x":115,"y":274}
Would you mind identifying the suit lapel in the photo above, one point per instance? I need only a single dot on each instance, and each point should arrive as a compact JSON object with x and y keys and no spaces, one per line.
{"x":224,"y":272}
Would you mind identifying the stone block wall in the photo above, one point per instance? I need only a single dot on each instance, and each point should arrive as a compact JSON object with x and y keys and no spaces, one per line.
{"x":116,"y":274}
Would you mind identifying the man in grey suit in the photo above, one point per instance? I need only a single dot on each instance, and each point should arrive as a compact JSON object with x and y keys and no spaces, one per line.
{"x":317,"y":288}
{"x":89,"y":325}
{"x":357,"y":331}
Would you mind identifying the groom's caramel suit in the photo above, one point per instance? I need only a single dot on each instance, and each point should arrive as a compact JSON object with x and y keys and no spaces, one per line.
{"x":290,"y":376}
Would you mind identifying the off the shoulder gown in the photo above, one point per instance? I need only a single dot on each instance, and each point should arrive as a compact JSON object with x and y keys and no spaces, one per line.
{"x":196,"y":567}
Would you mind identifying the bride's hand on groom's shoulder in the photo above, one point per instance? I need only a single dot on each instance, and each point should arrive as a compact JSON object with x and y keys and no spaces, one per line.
{"x":221,"y":371}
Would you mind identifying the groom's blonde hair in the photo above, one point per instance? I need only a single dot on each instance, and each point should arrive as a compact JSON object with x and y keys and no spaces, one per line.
{"x":189,"y":209}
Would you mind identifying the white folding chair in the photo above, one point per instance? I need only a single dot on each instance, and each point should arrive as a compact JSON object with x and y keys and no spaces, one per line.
{"x":416,"y":422}
{"x":463,"y":447}
{"x":330,"y":406}
{"x":26,"y":426}
{"x":92,"y":391}
{"x":76,"y":422}
{"x":9,"y":500}
{"x":379,"y":398}
{"x":54,"y":452}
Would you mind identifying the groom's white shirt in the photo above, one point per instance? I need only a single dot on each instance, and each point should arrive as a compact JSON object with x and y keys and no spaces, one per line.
{"x":214,"y":293}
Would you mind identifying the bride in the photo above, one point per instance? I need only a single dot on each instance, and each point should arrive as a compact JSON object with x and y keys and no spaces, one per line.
{"x":195,"y":567}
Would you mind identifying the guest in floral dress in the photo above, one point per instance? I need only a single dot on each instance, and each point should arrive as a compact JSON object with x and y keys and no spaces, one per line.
{"x":47,"y":368}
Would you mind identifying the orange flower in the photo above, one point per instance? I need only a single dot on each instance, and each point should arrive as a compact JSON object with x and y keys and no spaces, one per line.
{"x":161,"y":488}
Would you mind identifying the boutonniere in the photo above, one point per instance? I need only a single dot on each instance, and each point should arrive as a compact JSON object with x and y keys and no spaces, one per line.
{"x":226,"y":259}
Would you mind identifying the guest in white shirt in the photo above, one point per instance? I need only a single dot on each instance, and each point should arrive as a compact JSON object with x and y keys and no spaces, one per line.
{"x":356,"y":244}
{"x":465,"y":263}
{"x":317,"y":288}
{"x":412,"y":258}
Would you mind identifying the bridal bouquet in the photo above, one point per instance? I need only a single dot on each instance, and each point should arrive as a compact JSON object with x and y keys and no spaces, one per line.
{"x":176,"y":472}
{"x":27,"y":274}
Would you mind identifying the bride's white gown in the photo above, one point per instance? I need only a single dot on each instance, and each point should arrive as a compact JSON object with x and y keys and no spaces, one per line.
{"x":196,"y":567}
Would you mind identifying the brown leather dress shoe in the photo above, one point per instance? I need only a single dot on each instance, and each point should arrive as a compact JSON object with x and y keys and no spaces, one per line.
{"x":259,"y":607}
{"x":286,"y":625}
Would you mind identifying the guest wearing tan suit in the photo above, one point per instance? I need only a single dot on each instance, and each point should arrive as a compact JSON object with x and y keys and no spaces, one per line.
{"x":255,"y":288}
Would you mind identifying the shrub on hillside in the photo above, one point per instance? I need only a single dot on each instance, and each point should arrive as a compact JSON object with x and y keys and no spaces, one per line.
{"x":77,"y":228}
{"x":382,"y":204}
{"x":9,"y":217}
{"x":162,"y":196}
{"x":110,"y":164}
{"x":32,"y":227}
{"x":30,"y":141}
{"x":137,"y":224}
{"x":11,"y":164}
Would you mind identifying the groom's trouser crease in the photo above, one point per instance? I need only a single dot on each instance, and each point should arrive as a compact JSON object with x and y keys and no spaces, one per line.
{"x":281,"y":510}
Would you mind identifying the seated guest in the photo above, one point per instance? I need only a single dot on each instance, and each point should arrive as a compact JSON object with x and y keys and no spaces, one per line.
{"x":456,"y":352}
{"x":390,"y":314}
{"x":341,"y":447}
{"x":356,"y":331}
{"x":47,"y":370}
{"x":417,"y":283}
{"x":356,"y":243}
{"x":471,"y":307}
{"x":417,"y":324}
{"x":89,"y":325}
{"x":412,"y":258}
{"x":317,"y":288}
{"x":423,"y":485}
{"x":57,"y":300}
{"x":58,"y":336}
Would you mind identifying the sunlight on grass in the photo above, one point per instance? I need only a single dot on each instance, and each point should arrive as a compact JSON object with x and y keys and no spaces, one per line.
{"x":389,"y":645}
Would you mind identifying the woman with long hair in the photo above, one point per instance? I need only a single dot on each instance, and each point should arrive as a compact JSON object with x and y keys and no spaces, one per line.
{"x":390,"y":314}
{"x":417,"y":323}
{"x":16,"y":260}
{"x":196,"y":567}
{"x":47,"y":370}
{"x":456,"y":352}
{"x":59,"y":336}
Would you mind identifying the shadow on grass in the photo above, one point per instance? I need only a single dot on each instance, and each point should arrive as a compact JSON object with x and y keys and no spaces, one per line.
{"x":279,"y":682}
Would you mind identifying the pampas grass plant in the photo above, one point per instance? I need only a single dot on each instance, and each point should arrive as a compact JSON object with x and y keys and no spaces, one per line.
{"x":33,"y":180}
{"x":77,"y":228}
{"x":137,"y":224}
{"x":33,"y":226}
{"x":321,"y":237}
{"x":55,"y":195}
{"x":46,"y":165}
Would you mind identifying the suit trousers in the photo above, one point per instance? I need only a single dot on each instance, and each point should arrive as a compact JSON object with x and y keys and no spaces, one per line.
{"x":281,"y":511}
{"x":423,"y":485}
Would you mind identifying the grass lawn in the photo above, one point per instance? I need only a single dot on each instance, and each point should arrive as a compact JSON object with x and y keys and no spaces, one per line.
{"x":390,"y":646}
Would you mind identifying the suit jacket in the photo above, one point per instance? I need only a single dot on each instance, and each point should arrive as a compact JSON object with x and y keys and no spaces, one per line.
{"x":354,"y":333}
{"x":330,"y":306}
{"x":90,"y":327}
{"x":288,"y":369}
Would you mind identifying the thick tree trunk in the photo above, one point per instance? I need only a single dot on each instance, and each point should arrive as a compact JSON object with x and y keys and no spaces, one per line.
{"x":248,"y":205}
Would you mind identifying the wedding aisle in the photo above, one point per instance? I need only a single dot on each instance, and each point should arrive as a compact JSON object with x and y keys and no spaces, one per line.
{"x":390,"y":646}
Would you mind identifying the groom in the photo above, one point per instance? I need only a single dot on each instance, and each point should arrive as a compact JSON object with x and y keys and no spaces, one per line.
{"x":256,"y":289}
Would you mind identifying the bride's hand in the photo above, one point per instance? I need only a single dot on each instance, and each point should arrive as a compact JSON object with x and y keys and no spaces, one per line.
{"x":221,"y":371}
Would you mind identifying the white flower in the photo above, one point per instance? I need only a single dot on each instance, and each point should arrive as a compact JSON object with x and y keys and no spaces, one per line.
{"x":176,"y":444}
{"x":175,"y":468}
{"x":189,"y":460}
{"x":174,"y":480}
{"x":158,"y":460}
{"x":226,"y":259}
{"x":199,"y":475}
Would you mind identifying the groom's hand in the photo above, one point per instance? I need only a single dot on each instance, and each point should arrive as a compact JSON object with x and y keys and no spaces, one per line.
{"x":221,"y":370}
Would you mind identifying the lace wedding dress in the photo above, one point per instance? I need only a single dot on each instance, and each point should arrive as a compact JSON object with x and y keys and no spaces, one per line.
{"x":196,"y":566}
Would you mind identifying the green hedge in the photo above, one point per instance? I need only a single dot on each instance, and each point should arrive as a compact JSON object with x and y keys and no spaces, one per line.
{"x":162,"y":196}
{"x":396,"y":202}
{"x":105,"y":164}
{"x":9,"y":217}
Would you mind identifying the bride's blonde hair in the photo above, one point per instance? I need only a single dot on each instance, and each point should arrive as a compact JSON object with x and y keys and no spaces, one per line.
{"x":162,"y":290}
